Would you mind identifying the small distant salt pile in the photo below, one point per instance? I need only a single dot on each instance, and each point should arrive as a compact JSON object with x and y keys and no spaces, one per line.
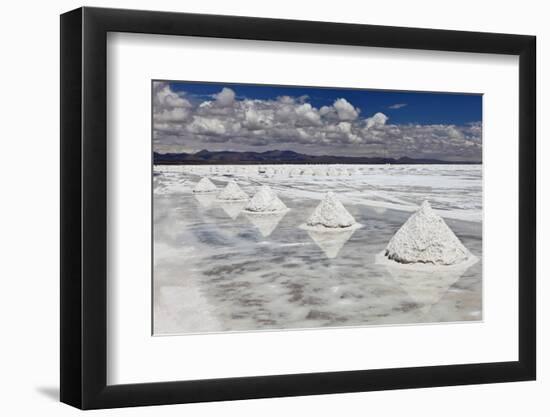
{"x":205,"y":186}
{"x":307,"y":171}
{"x":232,"y":192}
{"x":425,"y":238}
{"x":331,"y":214}
{"x":294,"y":172}
{"x":333,"y":172}
{"x":265,"y":201}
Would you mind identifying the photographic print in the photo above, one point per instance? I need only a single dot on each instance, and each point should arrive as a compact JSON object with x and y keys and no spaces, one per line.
{"x":294,"y":207}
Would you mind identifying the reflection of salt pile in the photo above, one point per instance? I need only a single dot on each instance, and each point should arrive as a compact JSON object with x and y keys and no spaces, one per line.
{"x":177,"y":187}
{"x":265,"y":201}
{"x":330,"y":214}
{"x":266,"y":223}
{"x":426,"y":287}
{"x":331,"y":243}
{"x":426,"y":238}
{"x":233,"y":208}
{"x":206,"y":200}
{"x":265,"y":210}
{"x":205,"y":186}
{"x":331,"y":225}
{"x":232,"y":192}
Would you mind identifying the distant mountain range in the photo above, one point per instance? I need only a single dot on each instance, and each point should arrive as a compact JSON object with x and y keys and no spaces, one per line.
{"x":282,"y":157}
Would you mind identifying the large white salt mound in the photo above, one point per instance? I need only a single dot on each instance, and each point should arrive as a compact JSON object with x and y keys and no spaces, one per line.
{"x":426,"y":238}
{"x":232,"y":192}
{"x":205,"y":186}
{"x":265,"y":201}
{"x":331,"y":213}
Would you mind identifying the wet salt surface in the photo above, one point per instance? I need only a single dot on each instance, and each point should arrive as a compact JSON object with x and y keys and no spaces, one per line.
{"x":216,"y":269}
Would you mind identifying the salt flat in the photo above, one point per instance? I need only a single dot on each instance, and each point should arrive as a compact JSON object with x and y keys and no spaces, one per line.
{"x":218,"y":269}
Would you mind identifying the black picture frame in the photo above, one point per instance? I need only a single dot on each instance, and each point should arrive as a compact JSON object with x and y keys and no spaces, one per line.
{"x":84,"y":207}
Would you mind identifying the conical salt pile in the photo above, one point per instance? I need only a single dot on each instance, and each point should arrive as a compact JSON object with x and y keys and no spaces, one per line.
{"x":232,"y":192}
{"x":331,"y":214}
{"x":426,"y":238}
{"x":205,"y":186}
{"x":265,"y":201}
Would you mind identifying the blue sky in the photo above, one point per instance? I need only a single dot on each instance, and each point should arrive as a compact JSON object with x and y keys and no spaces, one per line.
{"x":420,"y":107}
{"x":219,"y":116}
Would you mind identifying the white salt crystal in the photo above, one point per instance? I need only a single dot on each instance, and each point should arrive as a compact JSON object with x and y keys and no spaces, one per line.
{"x":426,"y":238}
{"x":330,"y":213}
{"x":232,"y":192}
{"x":265,"y":201}
{"x":205,"y":186}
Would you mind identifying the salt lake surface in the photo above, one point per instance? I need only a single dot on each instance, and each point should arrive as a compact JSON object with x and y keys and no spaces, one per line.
{"x":219,"y":269}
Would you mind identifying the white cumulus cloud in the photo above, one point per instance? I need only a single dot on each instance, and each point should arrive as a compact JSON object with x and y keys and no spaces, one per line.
{"x":345,"y":110}
{"x":226,"y":97}
{"x":379,"y":119}
{"x":225,"y":122}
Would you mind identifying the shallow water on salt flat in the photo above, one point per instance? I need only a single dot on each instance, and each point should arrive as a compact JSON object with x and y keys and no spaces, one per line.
{"x":218,"y":269}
